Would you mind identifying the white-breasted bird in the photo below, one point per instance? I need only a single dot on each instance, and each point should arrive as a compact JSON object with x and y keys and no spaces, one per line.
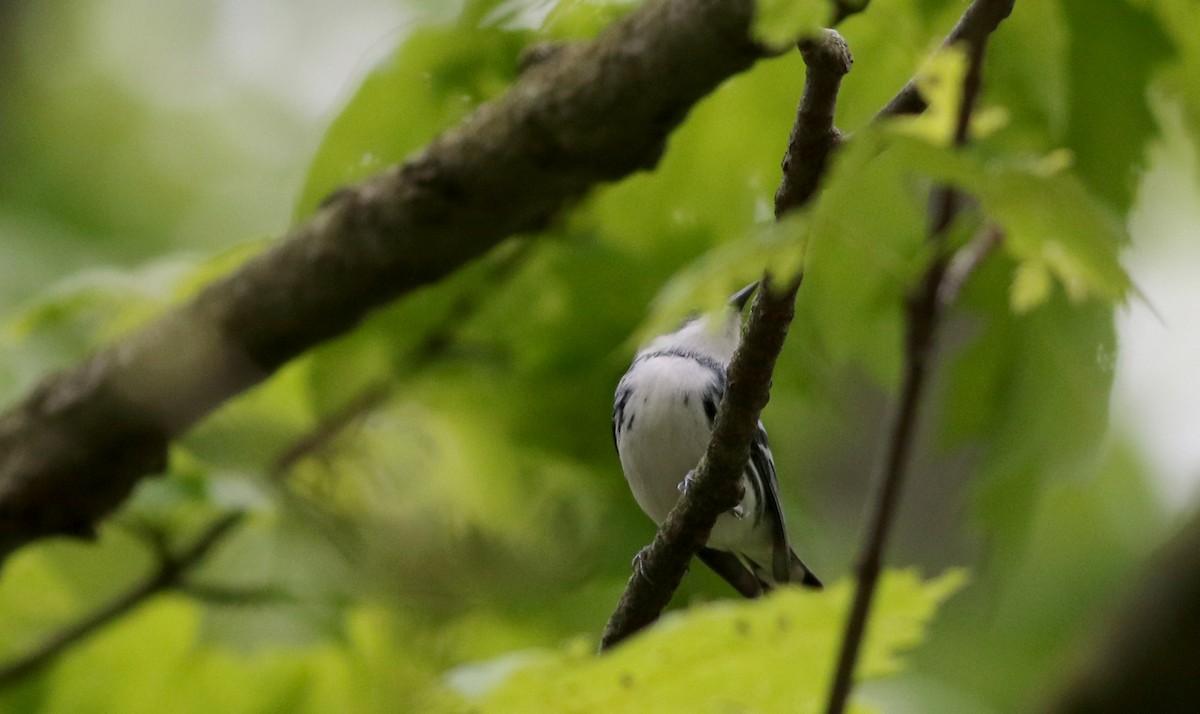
{"x":663,"y":414}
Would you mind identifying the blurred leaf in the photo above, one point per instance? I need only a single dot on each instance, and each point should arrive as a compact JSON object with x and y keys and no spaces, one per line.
{"x":672,"y":666}
{"x":99,"y":306}
{"x":583,"y":19}
{"x":1110,"y":145}
{"x":433,"y":80}
{"x":707,"y":283}
{"x":781,"y":23}
{"x":1023,"y":619}
{"x":1030,"y":287}
{"x":1180,"y":20}
{"x":940,"y":82}
{"x":1031,"y":391}
{"x":861,"y":263}
{"x":372,"y":671}
{"x":1048,"y":217}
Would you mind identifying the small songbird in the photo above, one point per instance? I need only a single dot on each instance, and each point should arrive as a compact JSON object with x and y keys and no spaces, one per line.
{"x":662,"y":416}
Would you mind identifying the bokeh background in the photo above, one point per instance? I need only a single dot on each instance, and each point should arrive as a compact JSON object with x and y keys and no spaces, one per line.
{"x":470,"y":505}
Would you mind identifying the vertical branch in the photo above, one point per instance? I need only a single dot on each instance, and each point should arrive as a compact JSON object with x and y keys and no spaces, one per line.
{"x":923,"y":313}
{"x":717,"y":489}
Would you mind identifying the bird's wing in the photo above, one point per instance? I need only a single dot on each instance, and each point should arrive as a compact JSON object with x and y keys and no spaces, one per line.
{"x":728,"y":566}
{"x":764,"y":464}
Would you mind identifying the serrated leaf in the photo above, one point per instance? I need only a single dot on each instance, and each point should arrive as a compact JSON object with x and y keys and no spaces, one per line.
{"x":940,"y":81}
{"x":732,"y":655}
{"x":1047,"y":216}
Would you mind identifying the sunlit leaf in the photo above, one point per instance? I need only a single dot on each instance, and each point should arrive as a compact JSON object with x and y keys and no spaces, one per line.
{"x":673,"y":667}
{"x":779,"y":23}
{"x":1047,"y":216}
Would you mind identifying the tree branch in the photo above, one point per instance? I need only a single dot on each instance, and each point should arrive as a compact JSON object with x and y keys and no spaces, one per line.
{"x":923,"y":315}
{"x":77,"y":444}
{"x":978,"y":22}
{"x":167,"y":575}
{"x":717,"y":486}
{"x":813,"y":138}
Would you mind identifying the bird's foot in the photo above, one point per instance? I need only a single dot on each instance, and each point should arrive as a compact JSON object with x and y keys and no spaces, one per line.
{"x":639,"y":564}
{"x":738,"y":511}
{"x":688,"y":481}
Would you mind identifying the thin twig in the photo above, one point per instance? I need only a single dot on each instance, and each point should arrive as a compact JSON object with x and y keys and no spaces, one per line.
{"x":167,"y":575}
{"x":965,"y":261}
{"x":980,"y":20}
{"x":324,"y":432}
{"x":717,"y":486}
{"x":924,"y":311}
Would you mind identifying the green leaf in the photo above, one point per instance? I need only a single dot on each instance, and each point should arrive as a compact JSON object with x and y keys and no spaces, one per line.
{"x":1029,"y":393}
{"x":433,"y":80}
{"x":940,"y":81}
{"x":1047,"y":215}
{"x":674,"y":666}
{"x":781,"y":23}
{"x":583,"y":19}
{"x":861,"y":263}
{"x":1114,"y":52}
{"x":707,"y":283}
{"x":1030,"y":286}
{"x":1177,"y":80}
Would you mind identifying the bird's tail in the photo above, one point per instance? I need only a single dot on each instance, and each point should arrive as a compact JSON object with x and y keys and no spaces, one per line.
{"x":801,"y":574}
{"x":793,"y":570}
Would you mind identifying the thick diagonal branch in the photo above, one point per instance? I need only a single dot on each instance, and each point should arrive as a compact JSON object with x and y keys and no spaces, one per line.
{"x":73,"y":449}
{"x":717,"y":486}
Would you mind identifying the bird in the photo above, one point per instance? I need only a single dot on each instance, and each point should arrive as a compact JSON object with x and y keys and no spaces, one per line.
{"x":663,"y":413}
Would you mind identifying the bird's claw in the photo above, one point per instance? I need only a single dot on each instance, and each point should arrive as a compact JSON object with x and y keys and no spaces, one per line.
{"x":738,"y":511}
{"x":639,"y":564}
{"x":687,"y":481}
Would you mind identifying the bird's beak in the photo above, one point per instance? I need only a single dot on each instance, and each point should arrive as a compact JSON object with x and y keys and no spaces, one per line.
{"x":739,"y":299}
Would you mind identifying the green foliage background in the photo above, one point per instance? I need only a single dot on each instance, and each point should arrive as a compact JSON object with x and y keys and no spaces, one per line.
{"x":461,"y":541}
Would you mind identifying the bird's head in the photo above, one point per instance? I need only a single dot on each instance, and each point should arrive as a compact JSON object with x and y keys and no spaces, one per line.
{"x":715,"y":335}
